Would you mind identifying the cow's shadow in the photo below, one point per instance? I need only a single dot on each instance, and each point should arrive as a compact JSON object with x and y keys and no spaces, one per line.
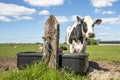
{"x":95,"y":66}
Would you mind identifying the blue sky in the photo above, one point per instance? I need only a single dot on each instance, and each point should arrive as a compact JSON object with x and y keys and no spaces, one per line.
{"x":22,"y":21}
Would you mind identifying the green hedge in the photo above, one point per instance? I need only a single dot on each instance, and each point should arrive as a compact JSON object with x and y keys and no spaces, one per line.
{"x":92,"y":42}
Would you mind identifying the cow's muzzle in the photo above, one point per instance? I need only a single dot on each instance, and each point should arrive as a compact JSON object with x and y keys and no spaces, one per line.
{"x":91,"y":35}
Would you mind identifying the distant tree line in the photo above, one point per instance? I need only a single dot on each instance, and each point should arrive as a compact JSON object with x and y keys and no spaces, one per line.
{"x":92,"y":42}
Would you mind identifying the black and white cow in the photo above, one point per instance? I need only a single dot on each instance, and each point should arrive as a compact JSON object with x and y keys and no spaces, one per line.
{"x":78,"y":34}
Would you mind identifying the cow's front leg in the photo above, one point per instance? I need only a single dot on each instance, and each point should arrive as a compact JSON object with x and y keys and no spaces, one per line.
{"x":83,"y":50}
{"x":71,"y":48}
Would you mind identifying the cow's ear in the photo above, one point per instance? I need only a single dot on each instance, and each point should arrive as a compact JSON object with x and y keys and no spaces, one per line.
{"x":78,"y":19}
{"x":98,"y":21}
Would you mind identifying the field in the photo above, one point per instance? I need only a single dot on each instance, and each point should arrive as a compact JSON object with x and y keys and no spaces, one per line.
{"x":104,"y":53}
{"x":10,"y":50}
{"x":99,"y":53}
{"x":104,"y":59}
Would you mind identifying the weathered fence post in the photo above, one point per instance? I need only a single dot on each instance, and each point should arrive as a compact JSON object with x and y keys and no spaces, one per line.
{"x":51,"y":41}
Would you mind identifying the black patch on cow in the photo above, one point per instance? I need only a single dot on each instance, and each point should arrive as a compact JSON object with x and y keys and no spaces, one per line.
{"x":76,"y":33}
{"x":84,"y":27}
{"x":72,"y":35}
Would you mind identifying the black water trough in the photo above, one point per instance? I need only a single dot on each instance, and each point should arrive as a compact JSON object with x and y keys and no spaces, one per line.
{"x":27,"y":58}
{"x":71,"y":62}
{"x":75,"y":62}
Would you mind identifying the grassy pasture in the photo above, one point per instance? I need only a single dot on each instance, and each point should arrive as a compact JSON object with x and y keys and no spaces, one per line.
{"x":104,"y":53}
{"x":99,"y":53}
{"x":43,"y":72}
{"x":10,"y":50}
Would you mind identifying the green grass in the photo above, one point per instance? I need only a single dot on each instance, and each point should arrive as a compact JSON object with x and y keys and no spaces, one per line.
{"x":9,"y":50}
{"x":99,"y":53}
{"x":104,"y":53}
{"x":40,"y":72}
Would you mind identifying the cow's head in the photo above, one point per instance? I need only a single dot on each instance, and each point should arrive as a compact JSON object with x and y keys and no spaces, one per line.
{"x":88,"y":25}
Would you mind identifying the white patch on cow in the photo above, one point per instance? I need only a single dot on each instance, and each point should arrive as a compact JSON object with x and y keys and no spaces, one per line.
{"x":89,"y":21}
{"x":71,"y":48}
{"x":78,"y":47}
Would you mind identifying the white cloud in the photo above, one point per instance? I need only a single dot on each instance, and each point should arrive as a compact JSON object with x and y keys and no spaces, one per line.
{"x":44,"y":12}
{"x":111,"y":20}
{"x":108,"y":36}
{"x":73,"y":18}
{"x":26,"y":18}
{"x":62,"y":19}
{"x":102,"y":3}
{"x":5,"y":19}
{"x":45,"y":3}
{"x":100,"y":11}
{"x":12,"y":10}
{"x":103,"y":34}
{"x":23,"y":18}
{"x":107,"y":28}
{"x":15,"y":10}
{"x":108,"y":12}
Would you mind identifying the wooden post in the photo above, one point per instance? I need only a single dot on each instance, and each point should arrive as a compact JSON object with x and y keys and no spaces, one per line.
{"x":51,"y":42}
